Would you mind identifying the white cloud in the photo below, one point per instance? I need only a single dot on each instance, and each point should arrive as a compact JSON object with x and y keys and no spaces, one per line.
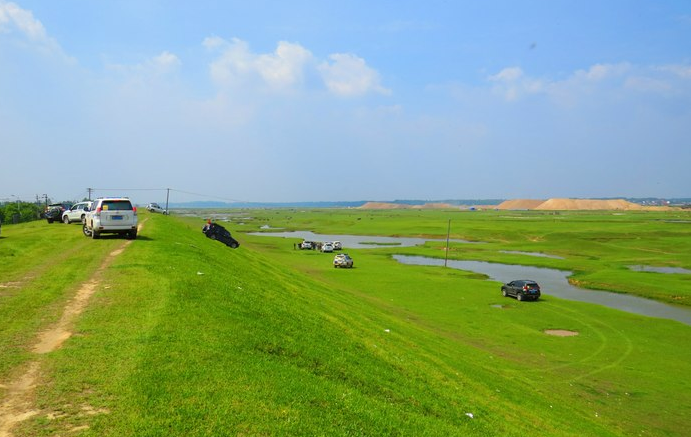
{"x":349,"y":75}
{"x":12,"y":16}
{"x":682,"y":71}
{"x":286,"y":68}
{"x":512,"y":84}
{"x":600,"y":72}
{"x":14,"y":19}
{"x":237,"y":65}
{"x":510,"y":74}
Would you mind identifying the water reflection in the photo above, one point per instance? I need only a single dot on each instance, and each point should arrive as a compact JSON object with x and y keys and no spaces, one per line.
{"x":554,"y":283}
{"x":659,"y":269}
{"x":355,"y":241}
{"x":540,"y":254}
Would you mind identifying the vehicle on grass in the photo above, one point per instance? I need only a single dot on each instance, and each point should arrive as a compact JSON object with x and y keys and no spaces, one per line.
{"x":54,"y":211}
{"x":522,"y":289}
{"x":76,"y":213}
{"x":111,"y":215}
{"x":306,"y":245}
{"x":337,"y":245}
{"x":327,"y":247}
{"x":219,"y":233}
{"x":155,"y":207}
{"x":343,"y":260}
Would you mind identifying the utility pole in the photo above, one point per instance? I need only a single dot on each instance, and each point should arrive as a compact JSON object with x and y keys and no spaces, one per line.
{"x":448,"y":231}
{"x":89,"y":190}
{"x":167,"y":197}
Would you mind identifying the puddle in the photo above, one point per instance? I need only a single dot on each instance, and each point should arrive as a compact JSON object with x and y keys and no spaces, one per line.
{"x":671,"y":270}
{"x":542,"y":255}
{"x":554,"y":283}
{"x":357,"y":241}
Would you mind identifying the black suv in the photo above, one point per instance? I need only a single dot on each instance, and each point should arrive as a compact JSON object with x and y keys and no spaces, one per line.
{"x":218,"y":232}
{"x":523,"y":289}
{"x":54,"y":211}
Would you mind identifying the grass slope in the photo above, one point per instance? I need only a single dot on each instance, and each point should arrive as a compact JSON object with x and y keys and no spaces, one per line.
{"x":186,"y":337}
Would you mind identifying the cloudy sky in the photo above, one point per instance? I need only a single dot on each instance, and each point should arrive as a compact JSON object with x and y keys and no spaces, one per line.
{"x":308,"y":100}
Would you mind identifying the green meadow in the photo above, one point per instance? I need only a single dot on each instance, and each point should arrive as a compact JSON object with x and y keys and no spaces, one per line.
{"x":184,"y":336}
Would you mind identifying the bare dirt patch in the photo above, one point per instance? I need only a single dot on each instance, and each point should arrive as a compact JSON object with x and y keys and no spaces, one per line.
{"x":18,"y":404}
{"x":561,"y":332}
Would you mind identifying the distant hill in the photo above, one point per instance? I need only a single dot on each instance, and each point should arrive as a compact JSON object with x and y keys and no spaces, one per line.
{"x":515,"y":204}
{"x":334,"y":204}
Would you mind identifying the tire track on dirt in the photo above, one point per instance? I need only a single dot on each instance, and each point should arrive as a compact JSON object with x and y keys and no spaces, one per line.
{"x":18,"y":404}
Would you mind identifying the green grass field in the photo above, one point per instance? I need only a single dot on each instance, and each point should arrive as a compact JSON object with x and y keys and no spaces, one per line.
{"x":186,"y":337}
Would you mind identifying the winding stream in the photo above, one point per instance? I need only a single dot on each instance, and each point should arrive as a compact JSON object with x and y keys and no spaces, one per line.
{"x":356,"y":241}
{"x":554,"y":283}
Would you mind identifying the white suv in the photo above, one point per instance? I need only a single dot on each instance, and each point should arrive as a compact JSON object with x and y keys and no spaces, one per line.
{"x":111,"y":215}
{"x":77,"y":213}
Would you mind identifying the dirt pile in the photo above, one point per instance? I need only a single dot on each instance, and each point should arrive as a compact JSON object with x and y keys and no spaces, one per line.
{"x":520,"y":204}
{"x":587,"y":204}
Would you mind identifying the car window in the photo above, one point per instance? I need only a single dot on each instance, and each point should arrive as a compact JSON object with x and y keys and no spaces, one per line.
{"x":116,"y":205}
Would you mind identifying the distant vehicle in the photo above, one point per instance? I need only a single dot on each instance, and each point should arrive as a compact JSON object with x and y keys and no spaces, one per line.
{"x":337,"y":245}
{"x":306,"y":245}
{"x":217,"y":232}
{"x":343,"y":260}
{"x":155,"y":207}
{"x":76,"y":213}
{"x":111,"y":215}
{"x":327,"y":247}
{"x":54,"y":211}
{"x":523,"y":289}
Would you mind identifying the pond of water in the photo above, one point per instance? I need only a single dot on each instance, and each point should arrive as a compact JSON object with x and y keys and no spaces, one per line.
{"x":540,"y":254}
{"x":659,"y":269}
{"x":554,"y":283}
{"x":356,"y":241}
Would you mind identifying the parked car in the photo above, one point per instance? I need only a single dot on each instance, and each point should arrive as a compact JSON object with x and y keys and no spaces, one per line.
{"x":76,"y":213}
{"x":218,"y":232}
{"x":155,"y":207}
{"x":343,"y":260}
{"x":306,"y":245}
{"x":111,"y":215}
{"x":523,"y":289}
{"x":337,"y":245}
{"x":54,"y":211}
{"x":327,"y":247}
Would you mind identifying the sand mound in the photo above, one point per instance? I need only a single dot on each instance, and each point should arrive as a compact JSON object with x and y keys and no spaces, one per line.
{"x":587,"y":204}
{"x":520,"y":204}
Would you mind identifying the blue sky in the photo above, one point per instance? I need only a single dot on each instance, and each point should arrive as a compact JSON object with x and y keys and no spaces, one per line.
{"x":330,"y":100}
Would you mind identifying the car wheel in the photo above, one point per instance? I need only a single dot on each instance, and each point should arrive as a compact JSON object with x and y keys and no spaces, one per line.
{"x":503,"y":292}
{"x":83,"y":218}
{"x":86,"y":231}
{"x":131,"y":235}
{"x":94,"y":235}
{"x":66,"y":220}
{"x":234,"y":245}
{"x":519,"y":296}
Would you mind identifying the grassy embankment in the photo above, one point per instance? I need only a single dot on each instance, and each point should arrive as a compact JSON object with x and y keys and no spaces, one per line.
{"x":187,"y":337}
